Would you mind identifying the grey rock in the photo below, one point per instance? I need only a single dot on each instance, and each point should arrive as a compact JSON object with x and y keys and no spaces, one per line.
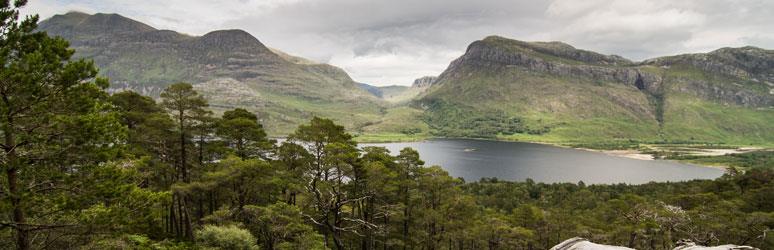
{"x":736,"y":66}
{"x":424,"y":82}
{"x":578,"y":243}
{"x":690,"y":245}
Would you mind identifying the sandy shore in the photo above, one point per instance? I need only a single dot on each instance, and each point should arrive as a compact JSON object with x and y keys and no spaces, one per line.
{"x":632,"y":154}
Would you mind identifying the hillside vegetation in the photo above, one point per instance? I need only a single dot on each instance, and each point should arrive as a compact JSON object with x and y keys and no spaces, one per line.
{"x":500,"y":88}
{"x":230,"y":67}
{"x":537,"y":91}
{"x":87,"y":169}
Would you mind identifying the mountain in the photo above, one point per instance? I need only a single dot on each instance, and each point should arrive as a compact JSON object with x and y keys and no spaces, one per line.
{"x":551,"y":91}
{"x":230,"y":67}
{"x":374,"y":90}
{"x":397,"y":94}
{"x":500,"y":88}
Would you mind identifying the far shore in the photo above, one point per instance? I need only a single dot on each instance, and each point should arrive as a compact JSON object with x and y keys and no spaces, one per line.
{"x":626,"y":153}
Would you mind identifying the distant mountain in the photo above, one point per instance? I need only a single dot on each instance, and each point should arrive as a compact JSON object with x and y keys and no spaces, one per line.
{"x":500,"y":88}
{"x":374,"y":90}
{"x":398,"y":94}
{"x":231,"y":67}
{"x":554,"y":92}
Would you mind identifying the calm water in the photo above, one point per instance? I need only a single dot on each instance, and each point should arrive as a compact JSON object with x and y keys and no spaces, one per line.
{"x":516,"y":161}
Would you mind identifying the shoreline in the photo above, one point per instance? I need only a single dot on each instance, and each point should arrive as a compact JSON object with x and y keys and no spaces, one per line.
{"x":624,"y":153}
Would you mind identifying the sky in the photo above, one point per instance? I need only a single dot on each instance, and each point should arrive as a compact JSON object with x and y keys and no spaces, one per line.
{"x":393,"y":42}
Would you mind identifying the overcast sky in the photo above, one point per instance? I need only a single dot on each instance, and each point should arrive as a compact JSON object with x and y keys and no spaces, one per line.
{"x":395,"y":41}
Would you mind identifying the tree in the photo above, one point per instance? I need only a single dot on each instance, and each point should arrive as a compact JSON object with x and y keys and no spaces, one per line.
{"x":241,"y":131}
{"x":408,"y":169}
{"x":184,"y":104}
{"x":134,"y":108}
{"x":292,"y":160}
{"x":529,"y":216}
{"x":376,"y":180}
{"x":55,"y":124}
{"x":281,"y":226}
{"x":150,"y":137}
{"x":334,"y":154}
{"x":244,"y":182}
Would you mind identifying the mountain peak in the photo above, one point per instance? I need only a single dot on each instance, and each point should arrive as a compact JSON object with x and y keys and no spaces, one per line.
{"x":553,"y":50}
{"x":96,"y":25}
{"x":232,"y":38}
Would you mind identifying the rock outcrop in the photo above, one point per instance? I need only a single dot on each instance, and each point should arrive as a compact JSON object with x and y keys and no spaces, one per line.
{"x":743,"y":64}
{"x":424,"y":82}
{"x":485,"y":54}
{"x":578,"y":243}
{"x":749,"y":62}
{"x":690,"y":245}
{"x":682,"y":97}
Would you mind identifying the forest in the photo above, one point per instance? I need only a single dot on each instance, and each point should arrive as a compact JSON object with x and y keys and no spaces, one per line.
{"x":86,"y":169}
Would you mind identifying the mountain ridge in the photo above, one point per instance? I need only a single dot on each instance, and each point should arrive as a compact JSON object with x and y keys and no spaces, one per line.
{"x":499,"y":88}
{"x":220,"y":64}
{"x":512,"y":89}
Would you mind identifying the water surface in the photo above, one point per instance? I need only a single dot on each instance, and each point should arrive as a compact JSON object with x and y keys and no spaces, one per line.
{"x":517,"y":161}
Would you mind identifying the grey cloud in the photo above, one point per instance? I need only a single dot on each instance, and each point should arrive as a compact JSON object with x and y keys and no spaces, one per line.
{"x":393,"y":42}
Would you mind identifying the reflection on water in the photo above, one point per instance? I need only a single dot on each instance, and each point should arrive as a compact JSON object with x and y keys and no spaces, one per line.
{"x":517,"y":161}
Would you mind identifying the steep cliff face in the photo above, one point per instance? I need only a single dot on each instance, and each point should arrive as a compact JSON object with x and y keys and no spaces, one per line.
{"x":222,"y":64}
{"x":424,"y":82}
{"x":556,"y":91}
{"x":490,"y":53}
{"x":747,"y":62}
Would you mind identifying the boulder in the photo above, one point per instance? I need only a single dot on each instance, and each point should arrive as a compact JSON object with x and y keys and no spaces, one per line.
{"x":578,"y":243}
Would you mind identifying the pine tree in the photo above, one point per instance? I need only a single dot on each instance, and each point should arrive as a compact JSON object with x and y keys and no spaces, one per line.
{"x":54,"y":120}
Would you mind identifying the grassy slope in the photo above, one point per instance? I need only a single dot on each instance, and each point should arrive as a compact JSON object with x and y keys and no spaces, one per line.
{"x":401,"y":123}
{"x":589,"y":111}
{"x":573,"y":109}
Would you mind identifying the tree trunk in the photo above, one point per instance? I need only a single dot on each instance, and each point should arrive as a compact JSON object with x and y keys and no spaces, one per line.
{"x":22,"y":235}
{"x":183,"y":167}
{"x":632,"y":238}
{"x":14,"y":194}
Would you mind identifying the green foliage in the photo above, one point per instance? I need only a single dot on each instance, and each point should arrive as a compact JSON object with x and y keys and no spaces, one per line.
{"x":755,"y":159}
{"x":226,"y":238}
{"x":454,"y":120}
{"x":281,"y":226}
{"x":240,"y":129}
{"x":83,"y":169}
{"x":58,"y":136}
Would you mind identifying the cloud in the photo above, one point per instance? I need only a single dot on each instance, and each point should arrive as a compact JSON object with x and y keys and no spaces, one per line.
{"x":393,"y":42}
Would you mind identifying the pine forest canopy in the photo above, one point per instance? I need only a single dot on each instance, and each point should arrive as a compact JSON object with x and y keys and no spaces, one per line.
{"x":86,"y":169}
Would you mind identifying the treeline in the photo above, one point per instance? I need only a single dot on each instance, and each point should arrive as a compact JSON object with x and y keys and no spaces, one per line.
{"x":83,"y":169}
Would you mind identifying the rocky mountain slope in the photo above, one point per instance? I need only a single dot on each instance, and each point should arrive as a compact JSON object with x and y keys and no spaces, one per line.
{"x":231,"y":67}
{"x":551,"y":91}
{"x":500,"y":88}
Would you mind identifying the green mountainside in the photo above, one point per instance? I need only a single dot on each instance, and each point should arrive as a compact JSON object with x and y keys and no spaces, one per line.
{"x":500,"y":88}
{"x":553,"y":92}
{"x":230,"y":67}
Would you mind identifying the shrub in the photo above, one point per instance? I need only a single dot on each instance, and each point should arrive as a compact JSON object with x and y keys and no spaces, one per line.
{"x":226,"y":238}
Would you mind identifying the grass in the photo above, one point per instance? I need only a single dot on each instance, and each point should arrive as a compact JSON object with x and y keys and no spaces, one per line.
{"x":749,"y":160}
{"x":389,"y":137}
{"x":692,"y":119}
